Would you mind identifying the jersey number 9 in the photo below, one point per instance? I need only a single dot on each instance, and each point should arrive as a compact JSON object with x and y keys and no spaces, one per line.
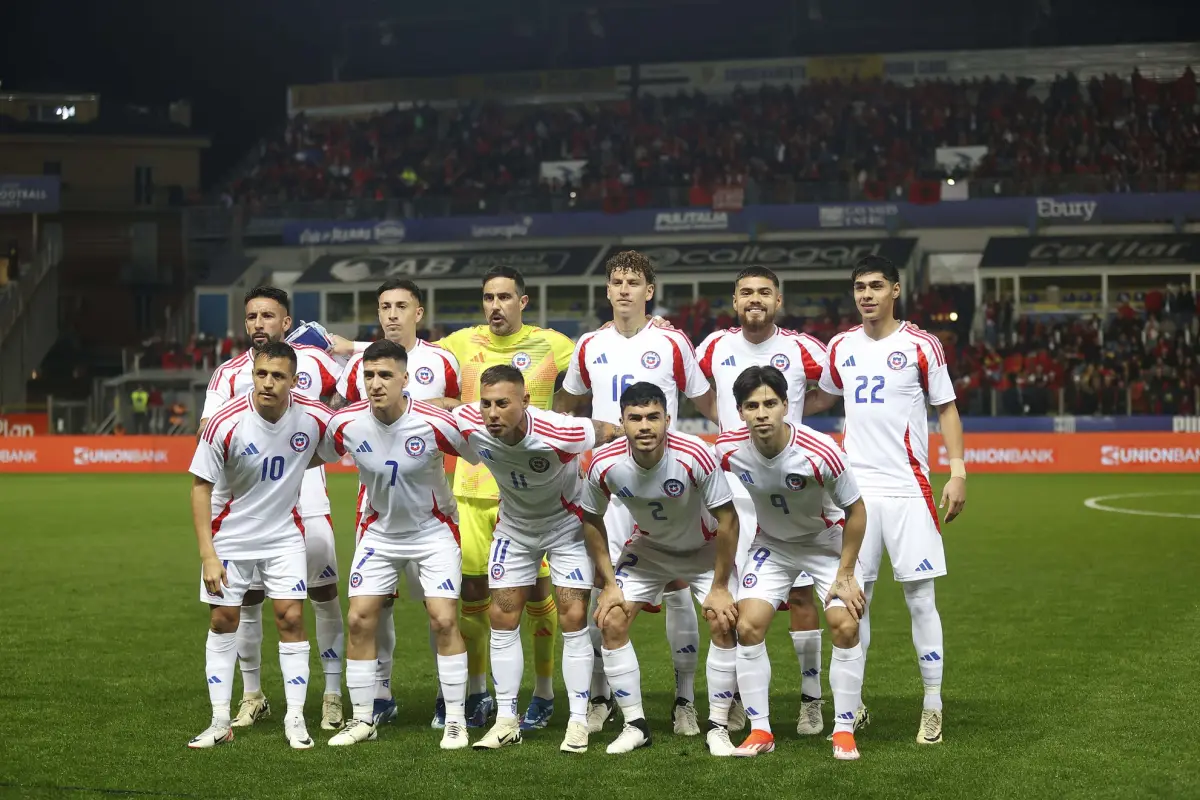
{"x":780,"y":502}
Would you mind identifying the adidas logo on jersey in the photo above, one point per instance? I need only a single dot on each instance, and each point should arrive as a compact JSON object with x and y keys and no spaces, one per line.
{"x":729,"y":362}
{"x":485,"y":453}
{"x":603,"y":359}
{"x":251,"y":450}
{"x":575,"y":575}
{"x":624,"y":492}
{"x":365,"y":447}
{"x":924,"y":566}
{"x":446,"y":586}
{"x":745,"y":476}
{"x":849,"y":362}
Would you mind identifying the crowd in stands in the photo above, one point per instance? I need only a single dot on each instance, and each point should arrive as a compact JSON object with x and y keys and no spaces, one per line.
{"x":862,"y":140}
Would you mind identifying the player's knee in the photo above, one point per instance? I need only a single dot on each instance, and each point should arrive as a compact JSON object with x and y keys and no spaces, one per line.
{"x":843,"y":628}
{"x":750,"y":632}
{"x":290,"y":618}
{"x":224,"y":619}
{"x":572,"y":615}
{"x":503,"y":619}
{"x":360,"y":621}
{"x":614,"y":628}
{"x":443,"y":619}
{"x":919,"y":597}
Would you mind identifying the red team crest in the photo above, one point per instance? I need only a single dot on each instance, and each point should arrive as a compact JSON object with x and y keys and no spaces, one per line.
{"x":415,"y":446}
{"x":300,"y":441}
{"x":673,"y":487}
{"x":303,"y":381}
{"x":424,"y":376}
{"x":897,"y":361}
{"x":651,"y":359}
{"x":522,"y":361}
{"x":780,"y":362}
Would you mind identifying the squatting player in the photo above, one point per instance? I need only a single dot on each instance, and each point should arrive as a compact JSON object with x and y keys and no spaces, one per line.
{"x":686,"y":530}
{"x":268,"y":319}
{"x":534,"y":457}
{"x":409,"y":517}
{"x":249,"y":465}
{"x":433,"y":373}
{"x":887,"y":371}
{"x":759,"y":342}
{"x":604,"y":364}
{"x":791,"y":473}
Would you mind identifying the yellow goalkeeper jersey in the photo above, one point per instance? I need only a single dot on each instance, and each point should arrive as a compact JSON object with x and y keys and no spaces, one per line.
{"x":539,"y":353}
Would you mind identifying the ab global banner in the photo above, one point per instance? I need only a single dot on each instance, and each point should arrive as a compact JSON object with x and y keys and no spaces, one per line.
{"x":1031,"y":213}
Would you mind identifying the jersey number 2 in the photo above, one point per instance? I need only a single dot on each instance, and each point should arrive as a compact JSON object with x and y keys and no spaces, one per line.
{"x":860,"y":394}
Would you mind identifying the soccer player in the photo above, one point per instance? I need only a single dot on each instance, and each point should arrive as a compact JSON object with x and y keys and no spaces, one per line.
{"x":268,"y":319}
{"x":249,"y":465}
{"x":534,"y":457}
{"x":410,"y":516}
{"x":759,"y":342}
{"x":604,"y":364}
{"x":887,"y":371}
{"x":433,"y":374}
{"x":790,"y":472}
{"x":686,"y":530}
{"x":541,"y":355}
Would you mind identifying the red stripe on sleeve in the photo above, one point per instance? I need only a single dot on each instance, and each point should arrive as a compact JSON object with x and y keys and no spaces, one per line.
{"x":582,"y":362}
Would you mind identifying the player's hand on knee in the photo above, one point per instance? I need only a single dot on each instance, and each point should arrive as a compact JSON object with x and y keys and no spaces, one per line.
{"x":846,"y":589}
{"x":214,"y":576}
{"x":720,"y":610}
{"x":610,"y":598}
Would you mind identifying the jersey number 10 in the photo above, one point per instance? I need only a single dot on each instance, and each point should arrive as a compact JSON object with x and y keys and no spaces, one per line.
{"x":272,"y":468}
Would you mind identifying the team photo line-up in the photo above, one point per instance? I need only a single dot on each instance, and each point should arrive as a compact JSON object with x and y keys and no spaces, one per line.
{"x":577,"y":504}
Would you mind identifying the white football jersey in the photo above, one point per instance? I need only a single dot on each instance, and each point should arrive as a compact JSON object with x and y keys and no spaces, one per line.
{"x":316,"y":377}
{"x":432,"y":372}
{"x":790,"y":490}
{"x":606,"y":363}
{"x":539,"y":476}
{"x":724,"y":354}
{"x":257,"y":468}
{"x":400,"y":467}
{"x":671,"y":503}
{"x":886,"y":386}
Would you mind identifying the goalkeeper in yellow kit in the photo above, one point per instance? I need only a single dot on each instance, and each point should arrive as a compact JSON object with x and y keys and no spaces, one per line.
{"x":542,"y":356}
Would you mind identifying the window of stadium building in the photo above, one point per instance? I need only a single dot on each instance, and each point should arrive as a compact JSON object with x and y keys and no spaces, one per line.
{"x":1064,"y":294}
{"x":339,"y":307}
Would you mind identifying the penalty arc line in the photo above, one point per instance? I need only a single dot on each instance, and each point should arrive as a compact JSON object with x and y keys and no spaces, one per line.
{"x":1097,"y":504}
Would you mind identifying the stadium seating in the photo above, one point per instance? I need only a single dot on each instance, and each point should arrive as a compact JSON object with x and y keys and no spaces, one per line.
{"x":831,"y":141}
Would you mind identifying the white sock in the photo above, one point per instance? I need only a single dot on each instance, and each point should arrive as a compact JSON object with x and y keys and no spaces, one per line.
{"x":683,"y":635}
{"x":508,"y":662}
{"x":625,"y":677}
{"x":220,"y":654}
{"x":293,"y":663}
{"x":864,"y":622}
{"x":808,"y":652}
{"x":754,"y":684}
{"x":845,"y":681}
{"x":927,"y":639}
{"x":432,"y":649}
{"x":599,"y":684}
{"x":721,"y":671}
{"x":249,"y":648}
{"x":331,"y":639}
{"x":360,"y":680}
{"x":452,"y":682}
{"x":577,"y":661}
{"x":385,"y":645}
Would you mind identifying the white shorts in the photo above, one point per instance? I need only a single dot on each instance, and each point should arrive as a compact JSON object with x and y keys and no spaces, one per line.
{"x":774,"y":565}
{"x":512,"y":563}
{"x":908,"y":527}
{"x":378,"y":561}
{"x":618,"y":524}
{"x":320,"y":552}
{"x":282,"y":577}
{"x":748,"y":526}
{"x":643,"y":572}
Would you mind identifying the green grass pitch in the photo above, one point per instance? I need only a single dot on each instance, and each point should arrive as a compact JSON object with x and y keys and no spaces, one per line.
{"x":1071,"y":669}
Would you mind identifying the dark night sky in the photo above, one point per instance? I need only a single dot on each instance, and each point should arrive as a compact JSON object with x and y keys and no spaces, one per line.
{"x":233,"y":60}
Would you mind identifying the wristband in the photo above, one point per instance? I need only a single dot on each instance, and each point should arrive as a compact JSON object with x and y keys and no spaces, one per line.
{"x":958,"y":468}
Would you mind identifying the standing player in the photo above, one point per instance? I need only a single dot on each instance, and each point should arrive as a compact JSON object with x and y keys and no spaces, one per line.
{"x":434,"y":374}
{"x":410,"y":516}
{"x":790,"y":472}
{"x":268,"y":318}
{"x":254,"y":451}
{"x":541,"y":355}
{"x":888,"y":371}
{"x":759,"y":342}
{"x":604,"y":364}
{"x":533,"y":455}
{"x":685,"y":530}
